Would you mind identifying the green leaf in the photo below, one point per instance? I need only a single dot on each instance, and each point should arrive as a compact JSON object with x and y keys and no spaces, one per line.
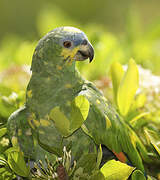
{"x":115,"y":170}
{"x":117,"y":73}
{"x":128,"y":88}
{"x":11,"y":149}
{"x":153,"y":138}
{"x":2,"y":162}
{"x":83,"y":104}
{"x":97,"y":176}
{"x":61,"y":121}
{"x":87,"y":162}
{"x":133,"y":122}
{"x":3,"y":159}
{"x":48,"y":148}
{"x":79,"y":113}
{"x":150,"y":178}
{"x":17,"y":163}
{"x":99,"y":157}
{"x":3,"y":131}
{"x":138,"y":175}
{"x":80,"y":175}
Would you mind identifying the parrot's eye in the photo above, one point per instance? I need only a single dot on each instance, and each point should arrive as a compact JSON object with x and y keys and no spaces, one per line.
{"x":67,"y":44}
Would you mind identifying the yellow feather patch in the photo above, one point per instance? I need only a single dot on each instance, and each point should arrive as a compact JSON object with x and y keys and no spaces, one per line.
{"x":48,"y":78}
{"x":44,"y":122}
{"x":19,"y":132}
{"x":41,"y":132}
{"x":31,"y":117}
{"x":59,"y":67}
{"x":108,"y":122}
{"x":68,"y":85}
{"x":36,"y":122}
{"x":69,"y":52}
{"x":45,"y":63}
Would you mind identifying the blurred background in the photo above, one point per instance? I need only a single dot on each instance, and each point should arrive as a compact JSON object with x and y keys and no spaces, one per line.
{"x":119,"y":30}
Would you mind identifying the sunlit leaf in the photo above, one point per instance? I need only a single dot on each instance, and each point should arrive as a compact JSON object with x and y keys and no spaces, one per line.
{"x":3,"y":131}
{"x":17,"y":163}
{"x":115,"y":170}
{"x":151,"y":178}
{"x":79,"y":113}
{"x":138,"y":175}
{"x":153,"y":138}
{"x":61,"y":121}
{"x":2,"y":159}
{"x":140,"y":100}
{"x":128,"y":88}
{"x":117,"y":73}
{"x":82,"y":103}
{"x":134,"y":121}
{"x":2,"y":162}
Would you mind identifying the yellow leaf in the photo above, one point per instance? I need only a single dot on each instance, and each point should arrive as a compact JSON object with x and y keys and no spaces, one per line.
{"x":117,"y":73}
{"x":115,"y":170}
{"x":128,"y":88}
{"x":82,"y":103}
{"x":79,"y":113}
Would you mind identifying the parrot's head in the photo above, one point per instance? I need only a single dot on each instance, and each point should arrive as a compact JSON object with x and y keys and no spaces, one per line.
{"x":63,"y":45}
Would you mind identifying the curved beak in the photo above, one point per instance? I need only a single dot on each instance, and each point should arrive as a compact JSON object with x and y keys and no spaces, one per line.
{"x":85,"y":52}
{"x":91,"y":53}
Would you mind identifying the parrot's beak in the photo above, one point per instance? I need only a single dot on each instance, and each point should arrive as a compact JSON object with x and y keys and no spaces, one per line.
{"x":85,"y":51}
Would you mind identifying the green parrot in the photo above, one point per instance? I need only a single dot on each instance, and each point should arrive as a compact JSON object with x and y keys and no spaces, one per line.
{"x":64,"y":109}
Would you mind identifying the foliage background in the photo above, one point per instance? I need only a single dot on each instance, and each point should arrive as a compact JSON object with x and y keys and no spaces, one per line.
{"x":118,"y":31}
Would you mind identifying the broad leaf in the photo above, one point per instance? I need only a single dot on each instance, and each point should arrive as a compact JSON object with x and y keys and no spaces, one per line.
{"x":128,"y":88}
{"x":87,"y":162}
{"x":11,"y":149}
{"x":115,"y":170}
{"x":117,"y":73}
{"x":3,"y":131}
{"x":82,"y":103}
{"x":17,"y":163}
{"x":140,"y":100}
{"x":138,"y":175}
{"x":79,"y":113}
{"x":97,"y":176}
{"x":61,"y":121}
{"x":153,"y":138}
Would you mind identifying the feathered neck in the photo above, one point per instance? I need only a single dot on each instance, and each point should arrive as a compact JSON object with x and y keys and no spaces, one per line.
{"x":53,"y":88}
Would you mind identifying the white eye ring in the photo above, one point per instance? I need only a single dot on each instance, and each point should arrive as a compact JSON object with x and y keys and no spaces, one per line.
{"x":67,"y":44}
